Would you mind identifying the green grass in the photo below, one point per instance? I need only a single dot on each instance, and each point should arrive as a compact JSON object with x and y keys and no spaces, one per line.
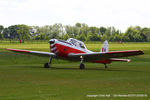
{"x":22,"y":77}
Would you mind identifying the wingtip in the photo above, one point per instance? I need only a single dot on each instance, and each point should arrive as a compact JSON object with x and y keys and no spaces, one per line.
{"x":10,"y":49}
{"x":142,"y":53}
{"x":128,"y":60}
{"x":7,"y":48}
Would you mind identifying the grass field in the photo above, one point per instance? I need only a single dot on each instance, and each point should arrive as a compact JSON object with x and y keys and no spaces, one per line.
{"x":22,"y":77}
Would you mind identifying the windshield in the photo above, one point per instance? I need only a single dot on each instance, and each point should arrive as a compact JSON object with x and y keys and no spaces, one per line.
{"x":76,"y":43}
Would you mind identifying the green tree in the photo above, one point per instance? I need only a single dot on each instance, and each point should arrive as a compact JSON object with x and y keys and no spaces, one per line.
{"x":148,"y":37}
{"x":81,"y":37}
{"x":6,"y":33}
{"x":104,"y":37}
{"x":75,"y":31}
{"x":12,"y":32}
{"x":1,"y":30}
{"x":66,"y":36}
{"x":69,"y":30}
{"x":56,"y":31}
{"x":16,"y":32}
{"x":145,"y":34}
{"x":130,"y":34}
{"x":93,"y":37}
{"x":108,"y":33}
{"x":134,"y":34}
{"x":78,"y":25}
{"x":84,"y":29}
{"x":94,"y":30}
{"x":23,"y":32}
{"x":102,"y":30}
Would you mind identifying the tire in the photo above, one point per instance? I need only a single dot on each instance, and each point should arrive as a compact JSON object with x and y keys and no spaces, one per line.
{"x":82,"y":66}
{"x":105,"y":66}
{"x":46,"y":65}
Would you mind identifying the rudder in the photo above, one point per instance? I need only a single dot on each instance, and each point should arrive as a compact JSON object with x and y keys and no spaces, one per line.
{"x":105,"y":47}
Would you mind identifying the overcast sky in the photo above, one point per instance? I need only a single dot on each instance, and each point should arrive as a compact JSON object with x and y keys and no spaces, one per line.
{"x":118,"y":13}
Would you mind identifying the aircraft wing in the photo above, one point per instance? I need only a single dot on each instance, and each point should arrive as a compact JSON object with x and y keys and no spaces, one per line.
{"x":32,"y":52}
{"x":105,"y":55}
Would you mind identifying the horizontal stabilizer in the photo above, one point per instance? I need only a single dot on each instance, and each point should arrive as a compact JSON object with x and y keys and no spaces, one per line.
{"x":121,"y":60}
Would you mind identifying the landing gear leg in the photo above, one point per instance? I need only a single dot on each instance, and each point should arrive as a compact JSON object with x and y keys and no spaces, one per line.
{"x":105,"y":66}
{"x":81,"y":63}
{"x":47,"y":65}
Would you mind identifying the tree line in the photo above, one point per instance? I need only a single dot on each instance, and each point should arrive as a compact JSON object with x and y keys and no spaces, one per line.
{"x":79,"y":31}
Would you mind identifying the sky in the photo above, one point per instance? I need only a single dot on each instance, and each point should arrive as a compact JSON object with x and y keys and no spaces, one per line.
{"x":118,"y":13}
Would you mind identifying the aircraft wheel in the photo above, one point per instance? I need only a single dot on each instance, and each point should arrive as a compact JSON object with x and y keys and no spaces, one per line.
{"x":46,"y":65}
{"x":82,"y":66}
{"x":105,"y":66}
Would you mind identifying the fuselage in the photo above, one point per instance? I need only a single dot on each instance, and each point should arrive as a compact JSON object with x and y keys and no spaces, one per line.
{"x":63,"y":48}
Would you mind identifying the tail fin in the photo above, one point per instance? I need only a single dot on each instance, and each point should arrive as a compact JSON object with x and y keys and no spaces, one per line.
{"x":105,"y":47}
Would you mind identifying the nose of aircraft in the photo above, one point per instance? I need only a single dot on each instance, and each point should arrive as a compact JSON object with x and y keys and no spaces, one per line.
{"x":52,"y":45}
{"x":52,"y":41}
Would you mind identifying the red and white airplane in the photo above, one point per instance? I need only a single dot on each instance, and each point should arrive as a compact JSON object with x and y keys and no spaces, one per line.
{"x":75,"y":50}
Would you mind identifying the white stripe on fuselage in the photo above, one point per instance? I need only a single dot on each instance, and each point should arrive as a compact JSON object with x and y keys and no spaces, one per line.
{"x":52,"y":45}
{"x":53,"y":49}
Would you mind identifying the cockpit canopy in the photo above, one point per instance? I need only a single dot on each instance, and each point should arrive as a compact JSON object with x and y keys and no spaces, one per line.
{"x":76,"y":43}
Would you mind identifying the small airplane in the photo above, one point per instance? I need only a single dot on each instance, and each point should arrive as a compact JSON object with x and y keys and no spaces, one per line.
{"x":75,"y":50}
